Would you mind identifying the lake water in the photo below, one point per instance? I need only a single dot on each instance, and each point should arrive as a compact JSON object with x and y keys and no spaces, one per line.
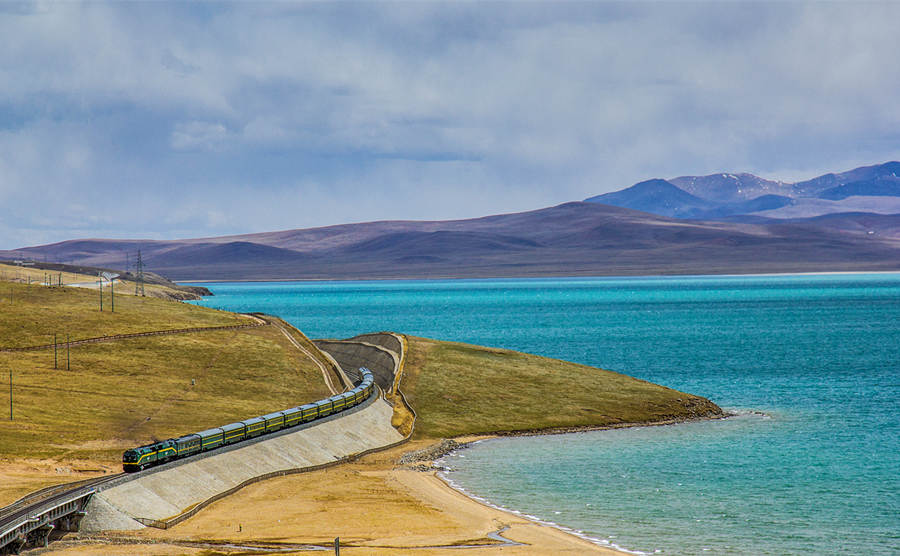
{"x":818,"y":356}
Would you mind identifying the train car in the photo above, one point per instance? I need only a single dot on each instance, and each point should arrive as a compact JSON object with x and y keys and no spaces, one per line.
{"x":255,"y":426}
{"x":234,"y":432}
{"x":274,"y":421}
{"x":325,"y":407}
{"x":188,"y":445}
{"x":292,"y":416}
{"x":309,"y":412}
{"x":211,"y":438}
{"x":349,"y":399}
{"x":338,"y":403}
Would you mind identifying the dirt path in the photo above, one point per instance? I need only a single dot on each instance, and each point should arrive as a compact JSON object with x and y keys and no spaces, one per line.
{"x":329,"y":381}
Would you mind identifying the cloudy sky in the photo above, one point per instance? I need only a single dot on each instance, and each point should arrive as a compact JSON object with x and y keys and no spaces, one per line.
{"x":167,"y":120}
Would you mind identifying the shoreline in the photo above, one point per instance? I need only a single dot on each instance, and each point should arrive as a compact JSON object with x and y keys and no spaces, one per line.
{"x":544,"y":276}
{"x":597,"y":542}
{"x":428,"y":517}
{"x":441,"y":473}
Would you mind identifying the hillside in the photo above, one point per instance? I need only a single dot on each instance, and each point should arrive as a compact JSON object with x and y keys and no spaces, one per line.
{"x":460,"y":389}
{"x":567,"y":240}
{"x":154,"y":285}
{"x":71,"y":423}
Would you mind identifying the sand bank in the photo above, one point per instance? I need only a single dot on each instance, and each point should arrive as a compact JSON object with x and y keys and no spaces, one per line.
{"x":374,"y":506}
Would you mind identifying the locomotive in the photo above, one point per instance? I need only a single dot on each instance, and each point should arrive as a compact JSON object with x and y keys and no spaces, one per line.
{"x":137,"y":459}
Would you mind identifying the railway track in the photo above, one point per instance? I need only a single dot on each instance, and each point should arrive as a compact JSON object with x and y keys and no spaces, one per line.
{"x":32,"y":518}
{"x":44,"y":494}
{"x":49,"y":494}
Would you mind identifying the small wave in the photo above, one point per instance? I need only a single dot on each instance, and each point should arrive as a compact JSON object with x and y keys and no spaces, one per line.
{"x":576,"y":532}
{"x":745,"y":412}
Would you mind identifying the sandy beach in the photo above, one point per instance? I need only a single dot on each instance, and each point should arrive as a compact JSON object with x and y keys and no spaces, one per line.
{"x":373,"y":505}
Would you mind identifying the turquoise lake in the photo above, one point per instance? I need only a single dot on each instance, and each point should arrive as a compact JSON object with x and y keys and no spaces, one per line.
{"x":810,"y":365}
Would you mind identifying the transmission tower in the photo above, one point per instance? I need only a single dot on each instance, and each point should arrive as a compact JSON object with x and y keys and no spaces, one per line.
{"x":139,"y":275}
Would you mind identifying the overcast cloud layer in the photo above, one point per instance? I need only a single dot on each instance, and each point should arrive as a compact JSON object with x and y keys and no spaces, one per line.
{"x":170,"y":120}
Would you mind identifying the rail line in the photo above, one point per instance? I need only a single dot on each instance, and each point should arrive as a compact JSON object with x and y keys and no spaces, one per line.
{"x":30,"y":520}
{"x":48,"y":492}
{"x":329,"y":381}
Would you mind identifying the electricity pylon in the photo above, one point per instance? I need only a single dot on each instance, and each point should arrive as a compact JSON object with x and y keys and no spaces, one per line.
{"x":139,"y":275}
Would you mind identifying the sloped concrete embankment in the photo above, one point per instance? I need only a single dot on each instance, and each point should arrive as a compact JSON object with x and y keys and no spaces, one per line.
{"x":381,"y":353}
{"x":170,"y":492}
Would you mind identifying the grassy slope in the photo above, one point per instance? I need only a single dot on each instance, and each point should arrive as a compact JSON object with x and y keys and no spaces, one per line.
{"x":14,"y":273}
{"x":460,"y":389}
{"x":37,"y":312}
{"x":26,"y":275}
{"x":122,"y":393}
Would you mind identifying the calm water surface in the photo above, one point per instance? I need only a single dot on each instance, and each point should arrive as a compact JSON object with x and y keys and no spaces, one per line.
{"x":819,"y":473}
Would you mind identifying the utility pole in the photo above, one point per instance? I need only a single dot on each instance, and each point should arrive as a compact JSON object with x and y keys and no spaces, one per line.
{"x":67,"y":352}
{"x":10,"y":395}
{"x":100,"y":282}
{"x":54,"y":351}
{"x":112,"y":295}
{"x":139,"y":275}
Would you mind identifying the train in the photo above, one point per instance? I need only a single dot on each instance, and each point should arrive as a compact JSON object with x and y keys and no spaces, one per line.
{"x":138,"y":459}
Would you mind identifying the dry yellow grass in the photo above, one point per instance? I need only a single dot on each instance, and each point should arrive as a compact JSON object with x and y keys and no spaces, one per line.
{"x":458,"y":389}
{"x":26,"y":274}
{"x":119,"y":394}
{"x":123,"y":393}
{"x":31,"y":315}
{"x":39,"y":276}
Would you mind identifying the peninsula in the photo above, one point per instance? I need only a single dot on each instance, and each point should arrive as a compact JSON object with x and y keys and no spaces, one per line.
{"x":156,"y":368}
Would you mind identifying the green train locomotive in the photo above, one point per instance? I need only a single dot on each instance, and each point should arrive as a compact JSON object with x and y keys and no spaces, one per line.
{"x":137,"y":459}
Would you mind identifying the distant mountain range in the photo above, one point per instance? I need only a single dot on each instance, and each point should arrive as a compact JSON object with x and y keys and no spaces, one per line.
{"x":723,"y":223}
{"x":873,"y":189}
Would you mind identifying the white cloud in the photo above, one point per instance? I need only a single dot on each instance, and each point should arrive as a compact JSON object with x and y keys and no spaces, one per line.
{"x":206,"y":136}
{"x":233,"y":108}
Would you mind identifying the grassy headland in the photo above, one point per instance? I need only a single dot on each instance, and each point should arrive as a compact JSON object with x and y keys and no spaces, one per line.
{"x":55,"y":274}
{"x":460,"y":389}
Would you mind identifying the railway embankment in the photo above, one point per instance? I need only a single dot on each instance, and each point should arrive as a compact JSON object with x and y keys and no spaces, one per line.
{"x":165,"y":494}
{"x":381,"y":353}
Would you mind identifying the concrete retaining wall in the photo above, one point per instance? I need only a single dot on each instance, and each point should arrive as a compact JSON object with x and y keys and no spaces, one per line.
{"x":386,"y":340}
{"x":171,"y":491}
{"x":352,"y":354}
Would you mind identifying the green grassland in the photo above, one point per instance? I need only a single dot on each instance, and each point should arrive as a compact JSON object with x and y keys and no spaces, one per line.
{"x":31,"y":314}
{"x":460,"y":389}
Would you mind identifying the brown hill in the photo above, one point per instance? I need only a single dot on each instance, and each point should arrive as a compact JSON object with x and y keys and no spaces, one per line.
{"x":569,"y":239}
